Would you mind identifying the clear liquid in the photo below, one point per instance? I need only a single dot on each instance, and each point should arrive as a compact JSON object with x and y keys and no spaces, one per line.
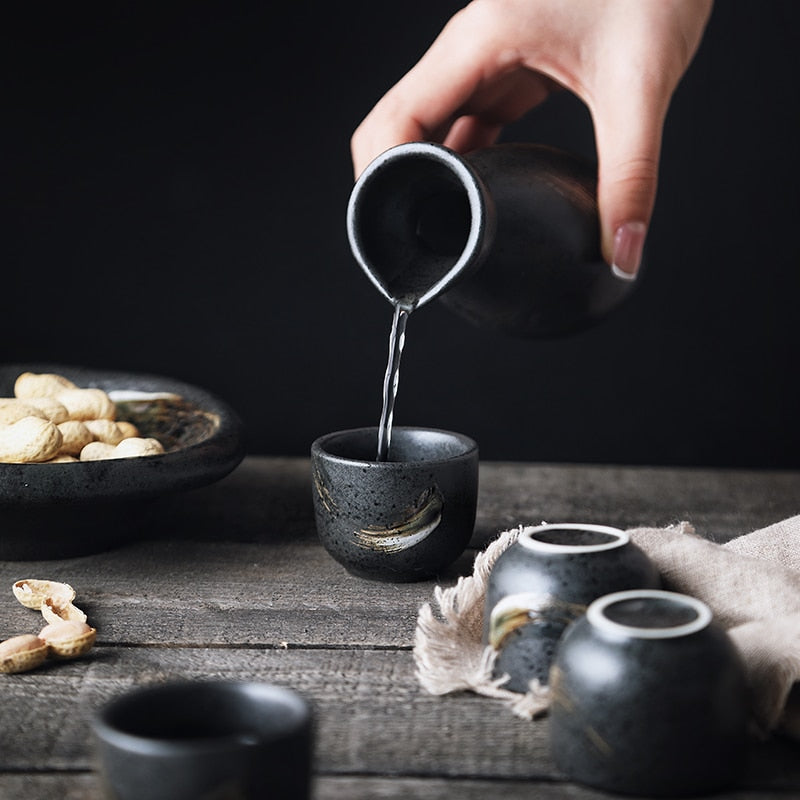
{"x":397,"y":339}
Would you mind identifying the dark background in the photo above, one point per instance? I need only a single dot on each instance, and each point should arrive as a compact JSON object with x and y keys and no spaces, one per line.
{"x":174,"y":184}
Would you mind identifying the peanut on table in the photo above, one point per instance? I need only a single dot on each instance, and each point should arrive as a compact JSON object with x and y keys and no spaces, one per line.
{"x":67,"y":634}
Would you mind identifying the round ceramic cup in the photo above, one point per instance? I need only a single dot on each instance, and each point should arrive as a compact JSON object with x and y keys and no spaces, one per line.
{"x":205,"y":739}
{"x":404,"y":519}
{"x":544,"y":581}
{"x":648,"y":697}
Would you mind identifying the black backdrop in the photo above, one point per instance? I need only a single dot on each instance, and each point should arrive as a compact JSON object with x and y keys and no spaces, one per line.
{"x":174,"y":183}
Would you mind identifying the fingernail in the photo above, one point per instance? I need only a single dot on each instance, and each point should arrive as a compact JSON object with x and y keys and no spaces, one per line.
{"x":628,"y":246}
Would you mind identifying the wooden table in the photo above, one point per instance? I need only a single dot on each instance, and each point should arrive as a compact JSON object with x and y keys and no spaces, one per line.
{"x":232,"y":582}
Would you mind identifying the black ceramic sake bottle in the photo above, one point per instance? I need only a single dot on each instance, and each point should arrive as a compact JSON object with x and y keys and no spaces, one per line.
{"x":507,"y":235}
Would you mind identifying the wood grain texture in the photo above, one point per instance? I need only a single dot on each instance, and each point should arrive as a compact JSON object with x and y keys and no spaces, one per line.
{"x":230,"y":581}
{"x":205,"y":593}
{"x":84,"y":786}
{"x":268,"y":499}
{"x":371,"y":716}
{"x":720,"y":504}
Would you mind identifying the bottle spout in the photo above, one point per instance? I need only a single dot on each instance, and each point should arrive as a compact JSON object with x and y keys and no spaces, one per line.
{"x":418,"y":219}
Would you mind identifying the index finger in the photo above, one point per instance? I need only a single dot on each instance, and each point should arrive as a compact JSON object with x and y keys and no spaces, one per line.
{"x":424,"y":103}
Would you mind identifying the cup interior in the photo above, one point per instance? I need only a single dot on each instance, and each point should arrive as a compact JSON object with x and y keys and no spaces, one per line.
{"x":649,"y":614}
{"x":573,"y":538}
{"x":189,"y":714}
{"x":407,"y":445}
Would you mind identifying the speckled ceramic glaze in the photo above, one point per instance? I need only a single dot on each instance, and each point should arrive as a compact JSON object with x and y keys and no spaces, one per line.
{"x":648,"y":697}
{"x":205,"y":739}
{"x":399,"y":520}
{"x":506,"y":235}
{"x":544,"y":581}
{"x":64,"y":510}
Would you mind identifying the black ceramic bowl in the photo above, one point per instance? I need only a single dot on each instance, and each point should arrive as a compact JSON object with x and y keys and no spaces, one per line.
{"x":62,"y":510}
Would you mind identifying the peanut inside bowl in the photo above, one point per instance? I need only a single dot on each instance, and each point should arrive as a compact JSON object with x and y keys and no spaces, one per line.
{"x":104,"y":500}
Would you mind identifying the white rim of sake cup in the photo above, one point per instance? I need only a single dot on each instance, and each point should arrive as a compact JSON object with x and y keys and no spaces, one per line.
{"x":526,"y":538}
{"x":596,"y":614}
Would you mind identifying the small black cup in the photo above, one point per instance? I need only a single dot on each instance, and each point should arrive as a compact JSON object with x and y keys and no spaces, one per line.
{"x":198,"y":740}
{"x":545,"y":581}
{"x":649,"y":697}
{"x":404,"y":519}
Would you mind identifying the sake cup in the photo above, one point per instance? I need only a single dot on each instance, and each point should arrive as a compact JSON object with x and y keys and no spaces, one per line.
{"x":544,"y":581}
{"x":648,"y":697}
{"x":399,"y":520}
{"x":205,"y":739}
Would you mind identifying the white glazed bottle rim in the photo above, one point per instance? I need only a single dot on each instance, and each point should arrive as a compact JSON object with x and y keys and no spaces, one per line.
{"x":596,"y":614}
{"x":526,"y":538}
{"x":466,"y":180}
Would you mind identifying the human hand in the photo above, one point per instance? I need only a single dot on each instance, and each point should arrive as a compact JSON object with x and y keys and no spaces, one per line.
{"x":497,"y":59}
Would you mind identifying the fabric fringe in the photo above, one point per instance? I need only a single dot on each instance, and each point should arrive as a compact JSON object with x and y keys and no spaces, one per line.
{"x":449,"y":653}
{"x":751,"y":584}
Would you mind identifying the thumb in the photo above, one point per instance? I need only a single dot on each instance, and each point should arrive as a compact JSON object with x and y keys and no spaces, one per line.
{"x":628,"y":139}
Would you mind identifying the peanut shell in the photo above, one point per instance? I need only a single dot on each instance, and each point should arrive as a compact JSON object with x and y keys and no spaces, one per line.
{"x":21,"y":653}
{"x":53,"y":610}
{"x":68,"y":638}
{"x":33,"y":592}
{"x":74,"y":437}
{"x":41,"y":384}
{"x":84,"y":404}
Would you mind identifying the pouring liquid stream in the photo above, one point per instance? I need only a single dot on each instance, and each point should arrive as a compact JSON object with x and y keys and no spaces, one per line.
{"x":441,"y":227}
{"x":397,"y":339}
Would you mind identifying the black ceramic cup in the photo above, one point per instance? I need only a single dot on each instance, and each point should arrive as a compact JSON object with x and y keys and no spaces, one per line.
{"x":399,"y":520}
{"x":544,"y":581}
{"x":648,"y":697}
{"x":199,"y":740}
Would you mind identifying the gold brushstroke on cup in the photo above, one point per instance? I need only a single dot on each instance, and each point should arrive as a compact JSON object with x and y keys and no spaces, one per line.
{"x":558,"y":696}
{"x":413,"y":525}
{"x":324,"y":493}
{"x":524,"y":608}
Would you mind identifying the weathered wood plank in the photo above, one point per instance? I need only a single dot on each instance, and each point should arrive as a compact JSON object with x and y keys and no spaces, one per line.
{"x":234,"y":583}
{"x":720,"y":504}
{"x":50,"y":786}
{"x":209,"y":593}
{"x":283,"y":587}
{"x":85,"y":786}
{"x":372,"y":717}
{"x":269,"y":499}
{"x":263,"y":499}
{"x":365,"y":788}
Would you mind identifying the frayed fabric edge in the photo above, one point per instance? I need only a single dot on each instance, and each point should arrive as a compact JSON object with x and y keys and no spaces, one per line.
{"x":449,"y":655}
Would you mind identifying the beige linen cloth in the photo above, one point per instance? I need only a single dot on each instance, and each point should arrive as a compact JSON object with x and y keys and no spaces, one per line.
{"x":752,"y":585}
